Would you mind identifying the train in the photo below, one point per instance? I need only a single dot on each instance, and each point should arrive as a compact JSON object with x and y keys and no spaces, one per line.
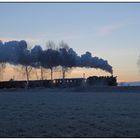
{"x":61,"y":83}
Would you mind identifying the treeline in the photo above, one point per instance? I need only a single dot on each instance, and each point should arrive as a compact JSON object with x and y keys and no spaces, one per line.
{"x":61,"y":55}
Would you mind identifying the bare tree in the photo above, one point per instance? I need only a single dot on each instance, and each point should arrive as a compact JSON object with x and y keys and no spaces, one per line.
{"x":37,"y":59}
{"x":26,"y":71}
{"x":51,"y":45}
{"x":51,"y":55}
{"x":45,"y":73}
{"x":26,"y":62}
{"x":65,"y":71}
{"x":34,"y":72}
{"x":65,"y":57}
{"x":2,"y":60}
{"x":2,"y":69}
{"x":37,"y":77}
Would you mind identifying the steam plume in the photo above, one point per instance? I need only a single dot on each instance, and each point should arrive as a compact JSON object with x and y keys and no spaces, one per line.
{"x":17,"y":53}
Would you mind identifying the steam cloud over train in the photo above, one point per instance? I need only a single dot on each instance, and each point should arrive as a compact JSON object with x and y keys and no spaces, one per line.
{"x":17,"y":53}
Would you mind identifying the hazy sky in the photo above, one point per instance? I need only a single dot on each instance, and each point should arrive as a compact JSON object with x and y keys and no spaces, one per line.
{"x":108,"y":30}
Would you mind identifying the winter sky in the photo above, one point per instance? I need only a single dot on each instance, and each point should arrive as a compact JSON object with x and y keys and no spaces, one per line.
{"x":108,"y":30}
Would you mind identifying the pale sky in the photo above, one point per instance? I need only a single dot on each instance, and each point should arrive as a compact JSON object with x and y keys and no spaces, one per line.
{"x":108,"y":30}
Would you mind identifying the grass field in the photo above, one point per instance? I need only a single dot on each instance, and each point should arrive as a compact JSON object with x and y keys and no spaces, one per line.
{"x":48,"y":113}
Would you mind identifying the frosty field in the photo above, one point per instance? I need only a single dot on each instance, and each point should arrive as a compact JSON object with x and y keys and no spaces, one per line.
{"x":48,"y":113}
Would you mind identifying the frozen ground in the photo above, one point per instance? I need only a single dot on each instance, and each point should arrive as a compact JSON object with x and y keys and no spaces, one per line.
{"x":46,"y":113}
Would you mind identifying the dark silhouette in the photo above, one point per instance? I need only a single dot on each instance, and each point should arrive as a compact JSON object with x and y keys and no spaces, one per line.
{"x":102,"y":81}
{"x":62,"y":83}
{"x":18,"y":53}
